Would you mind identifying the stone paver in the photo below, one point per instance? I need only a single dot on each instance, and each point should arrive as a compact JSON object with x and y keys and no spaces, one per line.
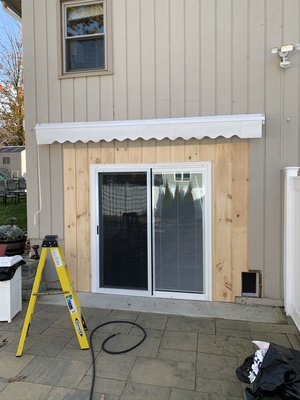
{"x":232,"y":324}
{"x":11,"y":366}
{"x":216,"y":366}
{"x":149,"y":348}
{"x":3,"y":383}
{"x":272,"y":328}
{"x":182,"y":358}
{"x":220,"y":387}
{"x":179,"y":341}
{"x":278,"y":338}
{"x":188,"y":324}
{"x":115,"y":367}
{"x":103,"y":385}
{"x":234,"y":333}
{"x":43,"y":345}
{"x":51,"y":312}
{"x":120,"y":315}
{"x":137,"y":391}
{"x":225,"y":345}
{"x":295,"y":341}
{"x":55,"y":372}
{"x":177,"y":355}
{"x":152,"y":321}
{"x":151,"y":333}
{"x":60,"y":332}
{"x":163,"y":373}
{"x":71,"y":394}
{"x":190,"y":395}
{"x":25,"y":391}
{"x":76,"y":354}
{"x":37,"y":326}
{"x":6,"y":338}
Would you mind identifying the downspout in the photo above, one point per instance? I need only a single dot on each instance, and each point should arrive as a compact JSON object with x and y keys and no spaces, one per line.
{"x":10,"y":12}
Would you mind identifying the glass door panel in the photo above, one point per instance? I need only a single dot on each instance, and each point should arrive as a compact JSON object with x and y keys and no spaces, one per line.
{"x":123,"y":230}
{"x":178,"y":201}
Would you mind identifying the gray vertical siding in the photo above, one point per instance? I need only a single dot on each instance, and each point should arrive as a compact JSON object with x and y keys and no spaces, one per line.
{"x":174,"y":58}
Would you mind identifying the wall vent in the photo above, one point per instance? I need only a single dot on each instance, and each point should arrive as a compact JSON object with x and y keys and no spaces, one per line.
{"x":251,"y":283}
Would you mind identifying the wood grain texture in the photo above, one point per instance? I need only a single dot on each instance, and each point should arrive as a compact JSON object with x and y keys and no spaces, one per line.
{"x":229,"y":200}
{"x":222,"y":238}
{"x":239,"y":213}
{"x":83,"y":218}
{"x":70,"y":208}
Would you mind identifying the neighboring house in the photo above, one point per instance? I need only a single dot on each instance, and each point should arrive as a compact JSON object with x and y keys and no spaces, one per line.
{"x":148,"y":195}
{"x":13,"y":159}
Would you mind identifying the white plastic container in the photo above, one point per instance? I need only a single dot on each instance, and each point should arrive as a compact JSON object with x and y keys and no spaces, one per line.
{"x":11,"y":290}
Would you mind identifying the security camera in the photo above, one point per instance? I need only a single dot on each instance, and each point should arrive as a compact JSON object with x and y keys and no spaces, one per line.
{"x":286,"y":48}
{"x":285,"y":63}
{"x":283,"y":53}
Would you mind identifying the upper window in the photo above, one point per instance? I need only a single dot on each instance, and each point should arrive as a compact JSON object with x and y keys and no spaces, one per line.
{"x":84,"y":36}
{"x":6,"y":160}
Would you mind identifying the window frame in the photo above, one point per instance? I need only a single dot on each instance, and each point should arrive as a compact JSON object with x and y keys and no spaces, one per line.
{"x":62,"y":8}
{"x":204,"y":167}
{"x":6,"y":160}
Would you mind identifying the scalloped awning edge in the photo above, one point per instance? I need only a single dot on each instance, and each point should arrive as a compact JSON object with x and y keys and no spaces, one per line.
{"x":245,"y":126}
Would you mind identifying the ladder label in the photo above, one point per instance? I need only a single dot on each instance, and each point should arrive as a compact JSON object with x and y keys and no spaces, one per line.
{"x":79,"y":330}
{"x":57,"y":258}
{"x":71,"y":304}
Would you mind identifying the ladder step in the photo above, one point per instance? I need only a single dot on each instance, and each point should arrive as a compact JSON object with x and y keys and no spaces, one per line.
{"x":49,"y":293}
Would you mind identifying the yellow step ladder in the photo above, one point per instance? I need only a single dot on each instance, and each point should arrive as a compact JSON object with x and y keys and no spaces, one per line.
{"x":50,"y":244}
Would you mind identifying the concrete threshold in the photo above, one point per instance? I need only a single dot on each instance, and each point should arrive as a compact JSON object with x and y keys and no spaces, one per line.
{"x":190,"y":308}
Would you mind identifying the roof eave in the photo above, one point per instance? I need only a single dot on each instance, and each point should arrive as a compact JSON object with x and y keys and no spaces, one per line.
{"x":13,"y":7}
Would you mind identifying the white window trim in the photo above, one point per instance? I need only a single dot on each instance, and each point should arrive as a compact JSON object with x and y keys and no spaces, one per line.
{"x":94,"y":207}
{"x":66,"y":4}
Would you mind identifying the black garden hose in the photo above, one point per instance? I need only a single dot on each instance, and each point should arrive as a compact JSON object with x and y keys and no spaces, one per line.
{"x":109,"y":351}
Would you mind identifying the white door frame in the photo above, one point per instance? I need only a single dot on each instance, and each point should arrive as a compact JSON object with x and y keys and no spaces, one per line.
{"x":204,"y":167}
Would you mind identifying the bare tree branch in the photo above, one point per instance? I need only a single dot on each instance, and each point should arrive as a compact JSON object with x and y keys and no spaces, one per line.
{"x":11,"y":90}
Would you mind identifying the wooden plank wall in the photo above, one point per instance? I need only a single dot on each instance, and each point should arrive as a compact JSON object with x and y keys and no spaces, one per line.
{"x":174,"y":58}
{"x":229,"y":201}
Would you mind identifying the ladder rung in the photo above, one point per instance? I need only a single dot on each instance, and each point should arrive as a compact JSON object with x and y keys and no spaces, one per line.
{"x":49,"y":293}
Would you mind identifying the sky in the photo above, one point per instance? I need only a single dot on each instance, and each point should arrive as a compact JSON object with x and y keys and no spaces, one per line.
{"x":6,"y":22}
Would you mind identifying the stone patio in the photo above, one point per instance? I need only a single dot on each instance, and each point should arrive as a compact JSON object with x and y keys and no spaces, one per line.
{"x":183,"y":358}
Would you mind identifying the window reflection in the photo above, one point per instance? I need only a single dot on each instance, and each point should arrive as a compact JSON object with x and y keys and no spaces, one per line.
{"x":178,"y":232}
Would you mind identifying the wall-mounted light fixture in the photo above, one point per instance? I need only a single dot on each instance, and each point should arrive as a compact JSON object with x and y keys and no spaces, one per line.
{"x":283,"y":53}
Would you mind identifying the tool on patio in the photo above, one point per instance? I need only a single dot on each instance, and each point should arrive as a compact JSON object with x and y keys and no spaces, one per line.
{"x":50,"y":243}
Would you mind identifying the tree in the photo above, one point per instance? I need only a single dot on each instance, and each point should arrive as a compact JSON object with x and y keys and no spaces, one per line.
{"x":11,"y":91}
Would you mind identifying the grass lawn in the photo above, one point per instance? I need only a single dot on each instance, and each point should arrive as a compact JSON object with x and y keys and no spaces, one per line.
{"x":17,"y":210}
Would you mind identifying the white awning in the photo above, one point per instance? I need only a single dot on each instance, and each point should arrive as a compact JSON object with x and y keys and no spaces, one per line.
{"x":244,"y":126}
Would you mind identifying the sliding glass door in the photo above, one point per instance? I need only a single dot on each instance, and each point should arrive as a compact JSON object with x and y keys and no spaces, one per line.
{"x":178,"y":221}
{"x":153,"y":230}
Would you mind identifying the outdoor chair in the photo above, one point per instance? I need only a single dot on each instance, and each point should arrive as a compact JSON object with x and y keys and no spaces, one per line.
{"x":9,"y":190}
{"x":2,"y":191}
{"x":22,"y":188}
